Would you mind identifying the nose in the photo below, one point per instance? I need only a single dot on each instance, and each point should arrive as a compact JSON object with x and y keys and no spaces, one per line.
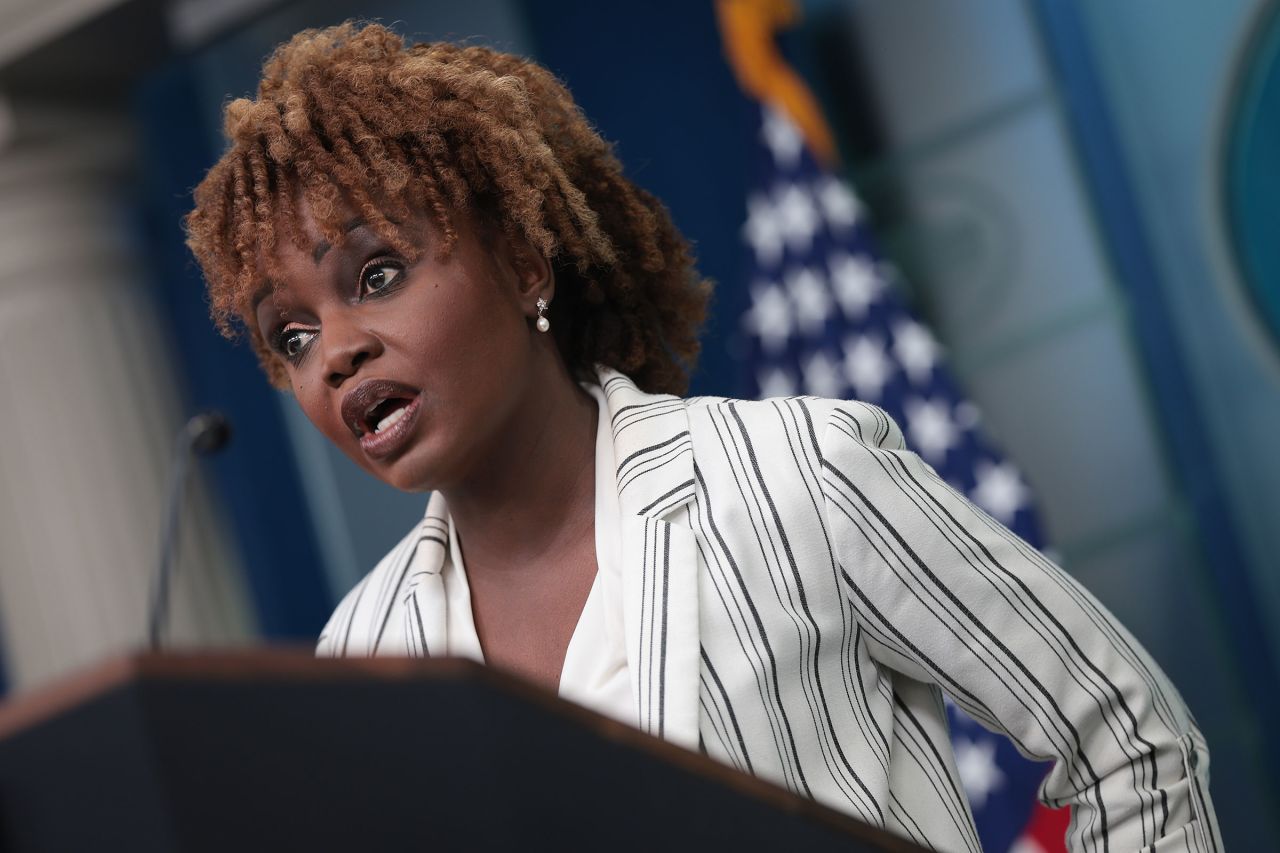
{"x":347,"y":346}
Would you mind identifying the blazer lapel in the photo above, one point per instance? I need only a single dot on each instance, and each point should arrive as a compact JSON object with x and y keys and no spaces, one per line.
{"x":659,"y":561}
{"x":425,"y":628}
{"x":659,"y":556}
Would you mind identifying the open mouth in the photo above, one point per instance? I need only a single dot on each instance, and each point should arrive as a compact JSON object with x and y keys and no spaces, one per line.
{"x":380,"y":414}
{"x":388,"y":426}
{"x":386,"y":414}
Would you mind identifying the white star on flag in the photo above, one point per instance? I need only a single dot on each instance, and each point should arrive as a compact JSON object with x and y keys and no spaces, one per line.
{"x":916,"y":350}
{"x":999,"y":490}
{"x":856,"y":283}
{"x":781,"y":138}
{"x":762,"y":231}
{"x":930,"y":427}
{"x":866,"y":366}
{"x":827,"y":319}
{"x":770,"y":316}
{"x":839,"y":205}
{"x":776,"y":382}
{"x":822,"y":376}
{"x":796,"y":216}
{"x":979,"y":773}
{"x":812,"y":301}
{"x":967,"y":415}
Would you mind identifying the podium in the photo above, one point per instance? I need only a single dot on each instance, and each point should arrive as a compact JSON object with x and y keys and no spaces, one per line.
{"x":274,"y":750}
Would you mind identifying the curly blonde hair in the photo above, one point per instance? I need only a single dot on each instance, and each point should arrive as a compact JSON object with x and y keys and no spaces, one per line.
{"x":352,"y":118}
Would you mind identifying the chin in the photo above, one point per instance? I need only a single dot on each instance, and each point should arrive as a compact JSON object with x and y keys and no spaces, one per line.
{"x":434,"y":461}
{"x":404,"y":477}
{"x":412,"y":486}
{"x":416,"y":471}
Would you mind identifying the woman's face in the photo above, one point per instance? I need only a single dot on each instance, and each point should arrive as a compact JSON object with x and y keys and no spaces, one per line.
{"x":413,"y":369}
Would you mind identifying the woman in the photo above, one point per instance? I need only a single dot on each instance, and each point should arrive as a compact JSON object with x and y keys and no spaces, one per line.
{"x":431,"y":247}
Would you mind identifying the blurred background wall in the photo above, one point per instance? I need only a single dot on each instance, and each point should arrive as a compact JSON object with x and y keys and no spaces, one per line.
{"x":1076,"y":193}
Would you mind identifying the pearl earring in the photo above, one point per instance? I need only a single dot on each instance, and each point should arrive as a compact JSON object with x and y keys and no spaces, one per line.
{"x":543,"y":323}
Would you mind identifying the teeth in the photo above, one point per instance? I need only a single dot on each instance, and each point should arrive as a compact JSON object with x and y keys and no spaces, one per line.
{"x":390,"y":419}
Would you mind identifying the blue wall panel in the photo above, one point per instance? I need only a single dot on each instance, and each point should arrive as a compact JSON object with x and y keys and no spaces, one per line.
{"x":257,"y":482}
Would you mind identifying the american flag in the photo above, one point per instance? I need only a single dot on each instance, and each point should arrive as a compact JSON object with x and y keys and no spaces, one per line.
{"x":826,"y":319}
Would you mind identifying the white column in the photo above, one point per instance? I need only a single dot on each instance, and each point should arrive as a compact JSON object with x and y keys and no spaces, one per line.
{"x":88,"y":408}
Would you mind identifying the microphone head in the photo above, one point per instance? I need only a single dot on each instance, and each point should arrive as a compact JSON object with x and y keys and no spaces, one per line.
{"x":208,"y":432}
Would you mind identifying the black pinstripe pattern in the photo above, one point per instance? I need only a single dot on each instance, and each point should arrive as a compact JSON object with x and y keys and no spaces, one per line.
{"x":836,"y":580}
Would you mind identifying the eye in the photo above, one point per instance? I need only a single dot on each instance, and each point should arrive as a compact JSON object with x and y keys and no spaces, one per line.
{"x":378,"y":275}
{"x":292,"y":342}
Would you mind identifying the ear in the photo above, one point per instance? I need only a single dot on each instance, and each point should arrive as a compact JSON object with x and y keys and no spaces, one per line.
{"x":533,"y":274}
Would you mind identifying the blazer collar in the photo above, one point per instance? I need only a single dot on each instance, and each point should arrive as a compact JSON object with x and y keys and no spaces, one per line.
{"x":654,"y":457}
{"x":651,"y":445}
{"x":423,"y":600}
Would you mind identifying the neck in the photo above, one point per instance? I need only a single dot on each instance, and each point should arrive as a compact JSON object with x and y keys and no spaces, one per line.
{"x":535,"y":493}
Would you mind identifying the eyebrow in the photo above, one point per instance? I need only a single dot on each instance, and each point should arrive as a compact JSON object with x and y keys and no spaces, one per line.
{"x":323,"y":246}
{"x":321,"y":249}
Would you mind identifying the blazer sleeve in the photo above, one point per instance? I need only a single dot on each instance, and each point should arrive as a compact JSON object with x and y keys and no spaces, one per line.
{"x":949,"y":596}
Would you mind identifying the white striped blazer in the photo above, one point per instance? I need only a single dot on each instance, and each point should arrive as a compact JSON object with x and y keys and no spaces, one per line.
{"x":799,"y":589}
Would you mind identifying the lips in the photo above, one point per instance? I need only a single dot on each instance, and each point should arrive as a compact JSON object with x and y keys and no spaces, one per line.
{"x":380,"y":412}
{"x":395,"y":430}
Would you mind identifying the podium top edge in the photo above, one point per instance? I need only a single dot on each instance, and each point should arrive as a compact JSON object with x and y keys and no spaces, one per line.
{"x":282,"y":664}
{"x":286,"y":664}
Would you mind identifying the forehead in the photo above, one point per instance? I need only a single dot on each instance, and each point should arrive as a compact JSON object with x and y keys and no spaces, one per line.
{"x":309,"y":251}
{"x":316,"y":227}
{"x":320,"y":246}
{"x":303,"y":235}
{"x":302,"y":246}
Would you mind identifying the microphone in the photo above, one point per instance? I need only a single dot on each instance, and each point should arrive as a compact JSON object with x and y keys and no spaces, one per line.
{"x":203,"y":435}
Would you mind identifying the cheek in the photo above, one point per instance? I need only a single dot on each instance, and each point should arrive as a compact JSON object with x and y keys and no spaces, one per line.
{"x":314,"y":403}
{"x":474,"y":364}
{"x":471,"y":339}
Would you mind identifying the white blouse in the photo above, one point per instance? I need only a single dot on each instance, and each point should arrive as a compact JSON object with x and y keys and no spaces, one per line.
{"x":595,"y":672}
